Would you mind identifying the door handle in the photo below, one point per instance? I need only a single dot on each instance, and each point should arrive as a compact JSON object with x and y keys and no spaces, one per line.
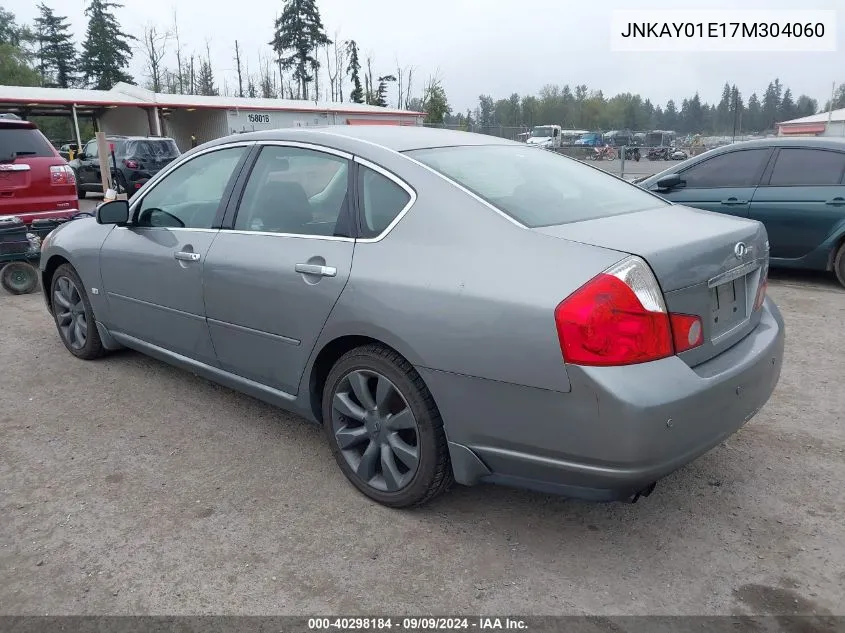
{"x":183,"y":256}
{"x":316,"y":269}
{"x":838,"y":200}
{"x":730,"y":201}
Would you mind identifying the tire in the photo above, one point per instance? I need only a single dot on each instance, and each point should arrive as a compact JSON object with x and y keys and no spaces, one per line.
{"x":73,"y":315}
{"x":391,"y":476}
{"x":80,"y":194}
{"x":19,"y":278}
{"x":839,"y":264}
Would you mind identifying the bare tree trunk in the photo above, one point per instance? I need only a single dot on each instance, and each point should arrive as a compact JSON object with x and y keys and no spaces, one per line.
{"x":399,"y":83}
{"x":340,"y":63}
{"x":408,"y":88}
{"x":240,"y":76}
{"x":193,"y":85}
{"x":368,"y":79}
{"x":155,"y":47}
{"x":178,"y":54}
{"x":332,"y":75}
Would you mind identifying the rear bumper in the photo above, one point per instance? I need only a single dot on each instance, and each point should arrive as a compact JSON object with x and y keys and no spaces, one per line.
{"x":52,"y":214}
{"x":620,"y":428}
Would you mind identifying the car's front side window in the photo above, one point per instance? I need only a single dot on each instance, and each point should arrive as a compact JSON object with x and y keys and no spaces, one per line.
{"x":732,"y":169}
{"x":190,"y":196}
{"x":296,"y":191}
{"x":91,"y":150}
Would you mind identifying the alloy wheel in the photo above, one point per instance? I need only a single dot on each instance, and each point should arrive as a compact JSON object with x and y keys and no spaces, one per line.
{"x":375,"y":430}
{"x":70,"y":312}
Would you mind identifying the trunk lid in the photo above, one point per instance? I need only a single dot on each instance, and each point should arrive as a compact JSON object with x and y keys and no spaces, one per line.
{"x":709,"y":265}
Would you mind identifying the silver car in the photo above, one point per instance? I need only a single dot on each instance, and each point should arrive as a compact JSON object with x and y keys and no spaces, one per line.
{"x":449,"y":306}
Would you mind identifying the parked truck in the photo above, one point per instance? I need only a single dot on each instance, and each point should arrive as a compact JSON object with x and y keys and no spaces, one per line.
{"x":546,"y":136}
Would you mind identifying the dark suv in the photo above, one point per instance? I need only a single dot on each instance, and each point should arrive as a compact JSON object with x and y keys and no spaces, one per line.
{"x":136,"y":160}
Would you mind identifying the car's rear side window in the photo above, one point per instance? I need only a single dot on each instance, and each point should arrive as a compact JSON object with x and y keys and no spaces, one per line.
{"x":534,"y":186}
{"x":740,"y":168}
{"x":24,"y":142}
{"x":807,"y":167}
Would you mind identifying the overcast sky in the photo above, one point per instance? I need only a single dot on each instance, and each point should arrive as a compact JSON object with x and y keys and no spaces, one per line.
{"x":489,"y":46}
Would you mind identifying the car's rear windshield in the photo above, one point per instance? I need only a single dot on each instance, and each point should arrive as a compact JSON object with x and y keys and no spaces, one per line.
{"x":24,"y":142}
{"x":150,"y":148}
{"x":534,"y":186}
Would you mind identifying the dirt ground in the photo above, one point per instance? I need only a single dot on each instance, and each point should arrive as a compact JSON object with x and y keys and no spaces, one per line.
{"x":130,"y":487}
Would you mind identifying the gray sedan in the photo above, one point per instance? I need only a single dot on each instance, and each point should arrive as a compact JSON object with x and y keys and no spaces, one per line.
{"x":449,"y":306}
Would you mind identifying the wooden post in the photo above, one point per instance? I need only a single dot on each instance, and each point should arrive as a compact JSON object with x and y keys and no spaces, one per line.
{"x":104,"y":152}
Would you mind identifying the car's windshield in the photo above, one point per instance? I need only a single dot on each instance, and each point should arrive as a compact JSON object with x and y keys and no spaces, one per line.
{"x":535,"y":187}
{"x":156,"y":149}
{"x":541,"y":132}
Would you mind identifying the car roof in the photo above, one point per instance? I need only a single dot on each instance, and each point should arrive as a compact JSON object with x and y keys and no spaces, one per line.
{"x":399,"y":138}
{"x":787,"y":141}
{"x":17,"y":124}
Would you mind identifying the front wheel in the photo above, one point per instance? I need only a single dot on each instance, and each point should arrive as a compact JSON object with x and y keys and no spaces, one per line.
{"x":384,"y":428}
{"x":839,"y":264}
{"x":73,"y":314}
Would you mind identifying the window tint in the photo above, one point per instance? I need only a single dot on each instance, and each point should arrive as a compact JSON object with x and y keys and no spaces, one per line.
{"x":380,"y":201}
{"x":295,"y":190}
{"x":537,"y":187}
{"x":808,"y":167}
{"x":190,"y":195}
{"x":25,"y":142}
{"x":733,"y":169}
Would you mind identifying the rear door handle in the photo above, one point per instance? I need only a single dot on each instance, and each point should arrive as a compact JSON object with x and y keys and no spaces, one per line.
{"x":316,"y":269}
{"x":730,"y":201}
{"x":184,"y":256}
{"x":838,"y":200}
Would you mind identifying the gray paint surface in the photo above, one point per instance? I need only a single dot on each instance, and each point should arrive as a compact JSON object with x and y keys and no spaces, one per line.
{"x":468,"y":297}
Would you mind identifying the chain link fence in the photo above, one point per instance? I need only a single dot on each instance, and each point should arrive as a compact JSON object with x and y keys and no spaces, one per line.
{"x":513,"y":133}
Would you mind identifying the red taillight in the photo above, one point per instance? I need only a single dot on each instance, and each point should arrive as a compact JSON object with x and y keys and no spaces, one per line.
{"x":62,"y":175}
{"x":617,"y":318}
{"x":131,"y":164}
{"x":687,"y":331}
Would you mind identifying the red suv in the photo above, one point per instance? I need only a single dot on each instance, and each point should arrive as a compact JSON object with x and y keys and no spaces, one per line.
{"x":35,"y":181}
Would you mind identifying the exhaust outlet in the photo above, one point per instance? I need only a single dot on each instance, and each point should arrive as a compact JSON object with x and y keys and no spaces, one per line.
{"x":644,"y":492}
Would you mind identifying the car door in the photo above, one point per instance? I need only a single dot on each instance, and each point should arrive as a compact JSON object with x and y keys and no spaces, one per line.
{"x":152,"y":269}
{"x":279,"y":265}
{"x":89,"y":165}
{"x":802,"y":201}
{"x":724,"y":183}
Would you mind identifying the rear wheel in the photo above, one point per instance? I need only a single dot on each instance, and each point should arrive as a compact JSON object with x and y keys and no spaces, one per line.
{"x":384,"y":428}
{"x":73,"y":314}
{"x":19,"y":278}
{"x":839,"y":264}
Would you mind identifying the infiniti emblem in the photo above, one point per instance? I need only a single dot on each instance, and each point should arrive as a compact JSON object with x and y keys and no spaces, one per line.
{"x":740,"y":250}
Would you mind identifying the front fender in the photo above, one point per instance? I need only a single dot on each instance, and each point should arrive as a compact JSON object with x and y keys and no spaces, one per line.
{"x":77,"y":242}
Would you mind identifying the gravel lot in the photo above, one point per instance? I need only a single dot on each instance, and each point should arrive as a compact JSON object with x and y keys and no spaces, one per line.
{"x":130,"y":487}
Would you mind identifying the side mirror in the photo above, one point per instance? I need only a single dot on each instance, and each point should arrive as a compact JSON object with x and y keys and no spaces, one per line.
{"x":114,"y":212}
{"x":670,"y":182}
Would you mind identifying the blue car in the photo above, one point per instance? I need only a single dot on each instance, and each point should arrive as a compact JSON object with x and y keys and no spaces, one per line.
{"x":794,"y":186}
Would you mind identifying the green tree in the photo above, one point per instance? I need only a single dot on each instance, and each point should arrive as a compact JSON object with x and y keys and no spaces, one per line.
{"x":353,"y":69}
{"x":381,"y":90}
{"x":205,"y":80}
{"x":771,"y":105}
{"x":486,"y":109}
{"x":434,"y":102}
{"x":787,"y":111}
{"x":754,"y":119}
{"x":806,"y":106}
{"x":57,"y":51}
{"x":298,"y":33}
{"x":15,"y":69}
{"x":105,"y":52}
